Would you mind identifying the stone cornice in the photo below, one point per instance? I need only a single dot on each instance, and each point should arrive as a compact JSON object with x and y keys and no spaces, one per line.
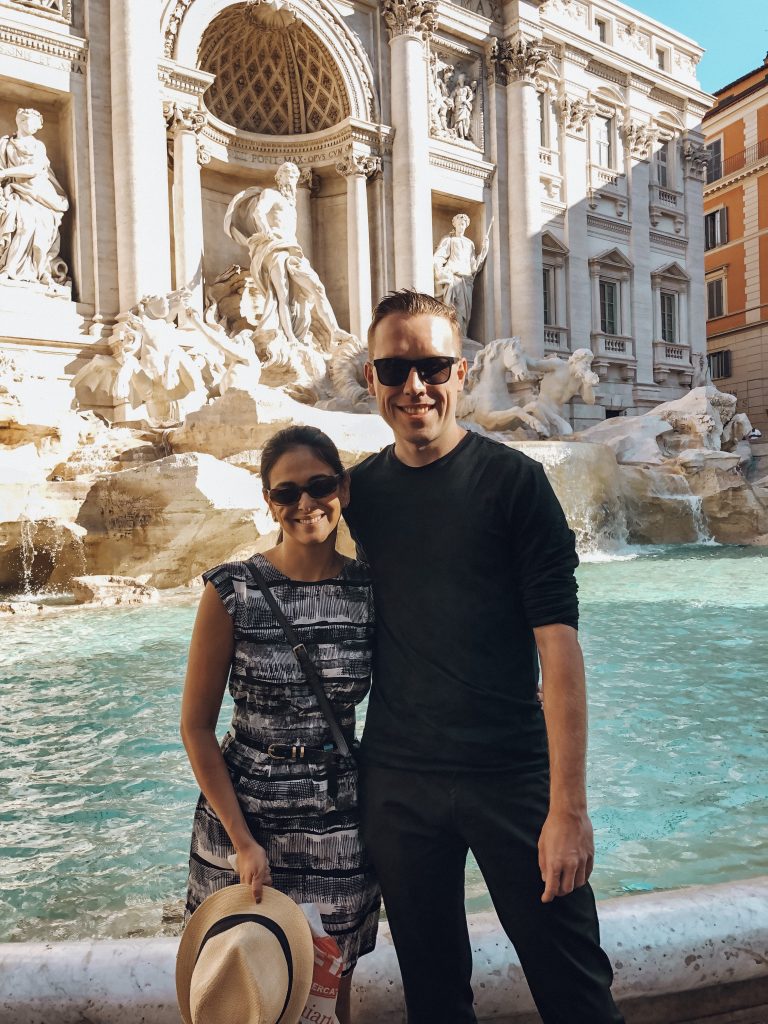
{"x":61,"y":12}
{"x":614,"y":227}
{"x":67,"y":53}
{"x":454,"y":162}
{"x":668,"y":241}
{"x":410,"y":17}
{"x":179,"y":79}
{"x":320,"y":149}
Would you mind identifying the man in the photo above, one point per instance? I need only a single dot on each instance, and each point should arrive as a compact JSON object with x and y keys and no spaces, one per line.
{"x":472,"y":563}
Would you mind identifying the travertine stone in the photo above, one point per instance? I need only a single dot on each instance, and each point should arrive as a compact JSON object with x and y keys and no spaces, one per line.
{"x":108,"y":591}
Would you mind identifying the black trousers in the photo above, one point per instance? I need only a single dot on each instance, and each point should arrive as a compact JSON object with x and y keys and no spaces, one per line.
{"x":418,"y":827}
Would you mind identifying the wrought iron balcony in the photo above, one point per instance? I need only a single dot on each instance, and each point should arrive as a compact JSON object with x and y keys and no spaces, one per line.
{"x":738,"y":161}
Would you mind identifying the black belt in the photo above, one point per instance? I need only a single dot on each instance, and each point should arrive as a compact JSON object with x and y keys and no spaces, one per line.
{"x":329,"y":756}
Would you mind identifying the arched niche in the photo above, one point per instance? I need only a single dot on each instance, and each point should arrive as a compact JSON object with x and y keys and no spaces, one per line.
{"x":185,"y":23}
{"x":269,"y":77}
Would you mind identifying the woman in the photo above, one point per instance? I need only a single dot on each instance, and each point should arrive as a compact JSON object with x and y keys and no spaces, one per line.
{"x":292,"y":822}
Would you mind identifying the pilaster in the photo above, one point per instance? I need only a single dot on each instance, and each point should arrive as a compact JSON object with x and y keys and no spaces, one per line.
{"x":306,"y":189}
{"x":573,"y":117}
{"x":140,"y":161}
{"x":643,"y":297}
{"x":695,"y":160}
{"x":357,"y":169}
{"x":184,"y":127}
{"x":409,"y":25}
{"x":519,"y":62}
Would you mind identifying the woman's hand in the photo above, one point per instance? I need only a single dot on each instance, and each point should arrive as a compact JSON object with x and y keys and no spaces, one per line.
{"x":253,"y":868}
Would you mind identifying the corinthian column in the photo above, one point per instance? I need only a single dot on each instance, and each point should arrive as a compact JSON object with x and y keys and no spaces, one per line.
{"x":184,"y":126}
{"x":140,"y":157}
{"x":695,"y":160}
{"x":519,"y":62}
{"x":357,"y":169}
{"x":410,"y":23}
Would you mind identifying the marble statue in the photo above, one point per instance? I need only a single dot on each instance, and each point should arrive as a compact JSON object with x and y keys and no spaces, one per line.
{"x":32,"y":203}
{"x":488,"y":402}
{"x":440,"y":102}
{"x":456,"y":264}
{"x":561,"y":380}
{"x":291,"y":293}
{"x":486,"y":399}
{"x":462,"y":103}
{"x":157,"y":372}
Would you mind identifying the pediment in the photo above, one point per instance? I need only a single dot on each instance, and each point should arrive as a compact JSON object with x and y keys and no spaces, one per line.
{"x":612,"y":258}
{"x":671,"y":272}
{"x":552,"y":244}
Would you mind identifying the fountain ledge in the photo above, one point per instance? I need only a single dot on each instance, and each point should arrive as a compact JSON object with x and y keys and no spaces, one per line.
{"x":690,"y":955}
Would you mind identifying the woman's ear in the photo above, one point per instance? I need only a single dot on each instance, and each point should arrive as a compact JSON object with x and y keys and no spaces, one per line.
{"x":344,"y":490}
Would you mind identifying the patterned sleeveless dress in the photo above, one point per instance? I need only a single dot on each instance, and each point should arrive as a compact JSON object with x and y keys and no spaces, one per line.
{"x":312,"y":841}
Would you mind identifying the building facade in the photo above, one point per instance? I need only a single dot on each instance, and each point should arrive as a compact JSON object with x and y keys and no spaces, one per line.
{"x":568,"y":131}
{"x":736,"y":242}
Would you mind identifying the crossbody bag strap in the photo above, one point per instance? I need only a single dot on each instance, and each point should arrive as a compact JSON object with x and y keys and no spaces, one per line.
{"x":302,"y":656}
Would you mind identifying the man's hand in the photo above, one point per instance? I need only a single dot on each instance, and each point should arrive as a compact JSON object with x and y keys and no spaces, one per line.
{"x":566,"y":853}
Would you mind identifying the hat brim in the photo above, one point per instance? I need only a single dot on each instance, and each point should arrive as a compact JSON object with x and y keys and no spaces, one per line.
{"x":238,"y":899}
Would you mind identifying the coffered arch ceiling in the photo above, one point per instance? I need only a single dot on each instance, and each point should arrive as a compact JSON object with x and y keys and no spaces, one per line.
{"x":273,"y":76}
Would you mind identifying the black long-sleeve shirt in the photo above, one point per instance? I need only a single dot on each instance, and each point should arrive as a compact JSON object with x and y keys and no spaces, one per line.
{"x":467,"y":554}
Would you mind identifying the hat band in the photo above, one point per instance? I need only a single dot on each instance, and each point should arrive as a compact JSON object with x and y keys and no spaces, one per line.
{"x":225,"y":923}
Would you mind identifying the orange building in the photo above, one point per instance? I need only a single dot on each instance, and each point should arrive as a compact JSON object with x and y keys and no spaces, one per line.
{"x":736,"y":242}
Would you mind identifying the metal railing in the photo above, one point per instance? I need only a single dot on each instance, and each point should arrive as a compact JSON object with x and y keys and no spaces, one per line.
{"x":722,"y":168}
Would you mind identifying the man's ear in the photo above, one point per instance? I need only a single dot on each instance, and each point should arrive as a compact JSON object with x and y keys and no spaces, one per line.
{"x":461,"y":373}
{"x":344,"y":490}
{"x":368,"y":370}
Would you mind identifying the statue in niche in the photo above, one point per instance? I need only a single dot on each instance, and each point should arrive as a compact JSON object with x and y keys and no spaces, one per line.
{"x":440,"y":102}
{"x":292,"y":295}
{"x":462,"y":103}
{"x":487,"y":401}
{"x":32,"y":204}
{"x":456,"y":265}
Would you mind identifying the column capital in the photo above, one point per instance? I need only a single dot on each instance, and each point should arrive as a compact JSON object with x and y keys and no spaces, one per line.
{"x":309,"y":180}
{"x":410,"y":17}
{"x":696,"y":157}
{"x":520,"y":60}
{"x":180,"y":118}
{"x":639,"y":139}
{"x":359,"y":165}
{"x":574,"y":114}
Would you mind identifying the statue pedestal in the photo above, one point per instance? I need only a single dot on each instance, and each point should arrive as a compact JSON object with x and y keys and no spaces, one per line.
{"x":39,"y":312}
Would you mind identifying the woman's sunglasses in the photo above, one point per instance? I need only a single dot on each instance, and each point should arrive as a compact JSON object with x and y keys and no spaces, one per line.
{"x":433,"y":370}
{"x":289,"y":494}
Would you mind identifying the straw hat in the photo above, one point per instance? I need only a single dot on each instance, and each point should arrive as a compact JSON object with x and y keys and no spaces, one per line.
{"x":242,"y":962}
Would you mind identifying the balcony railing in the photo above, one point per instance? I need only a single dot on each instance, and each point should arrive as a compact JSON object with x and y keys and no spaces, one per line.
{"x":556,"y":338}
{"x":737,"y":162}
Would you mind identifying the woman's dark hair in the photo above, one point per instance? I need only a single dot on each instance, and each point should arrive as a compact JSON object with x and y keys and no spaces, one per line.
{"x":299,"y":436}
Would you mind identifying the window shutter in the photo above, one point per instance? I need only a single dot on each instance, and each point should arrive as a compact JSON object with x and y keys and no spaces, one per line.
{"x":723,"y":213}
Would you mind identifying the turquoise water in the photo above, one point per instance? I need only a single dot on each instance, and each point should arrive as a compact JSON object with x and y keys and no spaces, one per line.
{"x":97,"y":795}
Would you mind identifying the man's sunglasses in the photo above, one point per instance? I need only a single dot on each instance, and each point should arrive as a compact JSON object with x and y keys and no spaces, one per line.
{"x":290,"y":494}
{"x":433,"y":370}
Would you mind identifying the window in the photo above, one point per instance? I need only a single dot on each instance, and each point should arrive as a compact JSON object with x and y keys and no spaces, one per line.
{"x":719,"y":363}
{"x":715,"y":165}
{"x":715,"y":298}
{"x":715,"y":228}
{"x":549,"y":296}
{"x":661,"y":60}
{"x":609,"y":307}
{"x":662,"y":166}
{"x":604,"y":141}
{"x":669,"y":316}
{"x":602,"y":30}
{"x":543,"y":133}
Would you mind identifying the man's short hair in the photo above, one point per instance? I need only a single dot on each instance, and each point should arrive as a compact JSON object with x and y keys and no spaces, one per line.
{"x":408,"y":302}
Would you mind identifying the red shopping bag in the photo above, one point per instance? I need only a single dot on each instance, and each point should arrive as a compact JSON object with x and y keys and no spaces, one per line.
{"x":321,"y":1002}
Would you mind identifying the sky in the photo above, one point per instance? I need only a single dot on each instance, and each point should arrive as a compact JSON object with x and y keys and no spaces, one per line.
{"x":734,"y":33}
